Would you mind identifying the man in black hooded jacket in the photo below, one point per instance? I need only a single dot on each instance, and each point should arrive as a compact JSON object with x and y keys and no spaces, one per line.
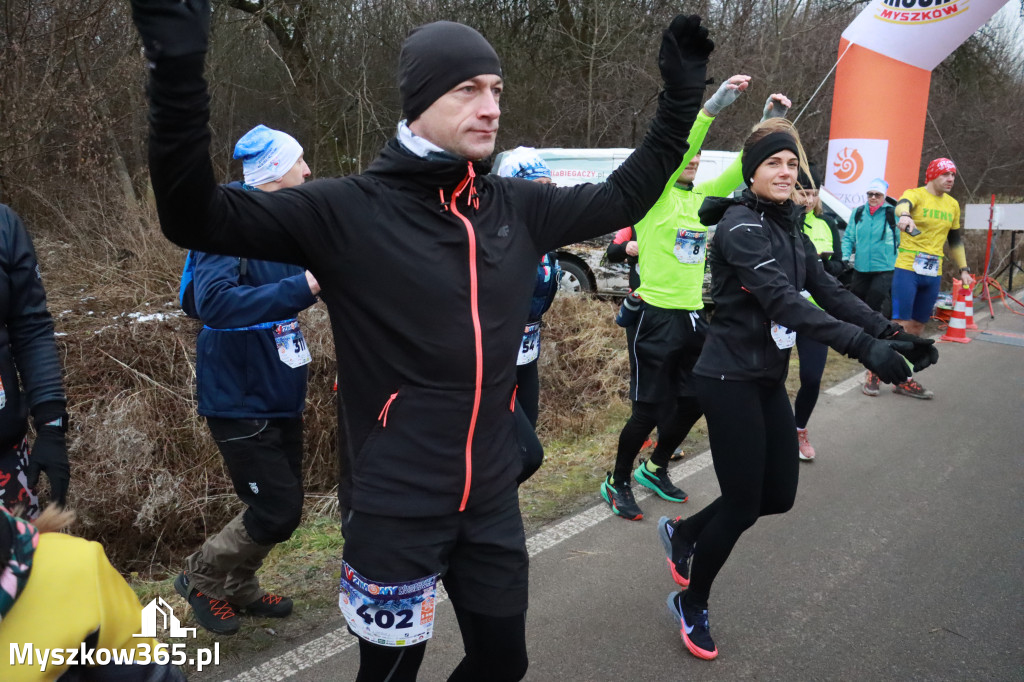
{"x":426,"y":265}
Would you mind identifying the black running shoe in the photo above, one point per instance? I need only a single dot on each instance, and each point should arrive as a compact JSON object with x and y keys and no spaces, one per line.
{"x":659,"y":483}
{"x":680,"y":570}
{"x":267,"y":606}
{"x":215,"y":615}
{"x":620,"y":497}
{"x":693,"y":627}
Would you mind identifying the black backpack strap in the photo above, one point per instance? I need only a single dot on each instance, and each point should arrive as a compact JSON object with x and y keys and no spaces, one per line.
{"x":890,"y":217}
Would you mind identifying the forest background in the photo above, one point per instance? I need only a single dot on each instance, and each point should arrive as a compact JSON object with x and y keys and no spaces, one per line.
{"x":147,"y":479}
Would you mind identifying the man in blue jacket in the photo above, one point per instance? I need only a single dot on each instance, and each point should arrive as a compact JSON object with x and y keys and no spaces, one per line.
{"x":251,"y":377}
{"x":872,"y":236}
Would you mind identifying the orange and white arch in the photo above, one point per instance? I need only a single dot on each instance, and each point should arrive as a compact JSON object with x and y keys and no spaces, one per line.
{"x":886,"y":57}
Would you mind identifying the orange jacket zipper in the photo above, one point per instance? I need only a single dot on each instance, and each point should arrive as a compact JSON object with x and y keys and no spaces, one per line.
{"x":477,"y":332}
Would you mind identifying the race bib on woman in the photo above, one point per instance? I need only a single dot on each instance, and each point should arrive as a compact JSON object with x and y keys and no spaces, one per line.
{"x":389,"y":614}
{"x":784,"y":337}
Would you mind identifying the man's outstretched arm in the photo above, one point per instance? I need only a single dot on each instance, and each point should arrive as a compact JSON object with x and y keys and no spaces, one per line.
{"x":194,"y":211}
{"x":569,"y":215}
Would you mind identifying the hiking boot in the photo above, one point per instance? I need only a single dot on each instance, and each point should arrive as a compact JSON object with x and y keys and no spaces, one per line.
{"x":806,"y":449}
{"x":680,"y":570}
{"x":693,"y":627}
{"x":620,"y":497}
{"x":659,"y":483}
{"x":267,"y":606}
{"x":913,"y":389}
{"x":215,"y":615}
{"x":870,"y":386}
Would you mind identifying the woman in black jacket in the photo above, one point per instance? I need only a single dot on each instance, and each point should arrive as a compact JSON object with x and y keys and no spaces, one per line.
{"x":30,"y":379}
{"x":763,"y":267}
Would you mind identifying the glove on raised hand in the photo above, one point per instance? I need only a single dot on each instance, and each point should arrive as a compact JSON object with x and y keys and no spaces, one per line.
{"x":50,"y":455}
{"x":923,"y":352}
{"x":172,"y":28}
{"x":773,"y":108}
{"x":884,"y":358}
{"x":684,"y":44}
{"x":726,"y":94}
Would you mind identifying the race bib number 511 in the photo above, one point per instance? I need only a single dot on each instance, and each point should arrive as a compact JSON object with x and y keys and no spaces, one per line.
{"x":389,"y":614}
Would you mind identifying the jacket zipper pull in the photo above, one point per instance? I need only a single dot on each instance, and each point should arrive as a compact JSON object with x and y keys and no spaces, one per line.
{"x":383,"y":416}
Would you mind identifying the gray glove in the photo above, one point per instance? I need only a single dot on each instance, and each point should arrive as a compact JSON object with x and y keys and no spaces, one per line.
{"x":723,"y":97}
{"x":773,"y":109}
{"x":172,"y":28}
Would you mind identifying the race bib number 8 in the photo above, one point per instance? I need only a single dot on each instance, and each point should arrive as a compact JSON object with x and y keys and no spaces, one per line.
{"x":926,"y":264}
{"x":690,"y":244}
{"x":389,"y":614}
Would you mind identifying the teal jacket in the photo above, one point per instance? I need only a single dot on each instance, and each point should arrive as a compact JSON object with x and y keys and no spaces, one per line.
{"x":872,"y":238}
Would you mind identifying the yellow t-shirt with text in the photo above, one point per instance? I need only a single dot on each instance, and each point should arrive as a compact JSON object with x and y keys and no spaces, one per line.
{"x":935,"y":217}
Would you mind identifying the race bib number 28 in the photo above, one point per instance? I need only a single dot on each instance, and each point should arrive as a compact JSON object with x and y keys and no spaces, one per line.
{"x":389,"y":614}
{"x":926,"y":264}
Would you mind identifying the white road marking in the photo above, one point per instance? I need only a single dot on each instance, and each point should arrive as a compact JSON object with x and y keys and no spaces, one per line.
{"x":853,"y":382}
{"x":333,"y":643}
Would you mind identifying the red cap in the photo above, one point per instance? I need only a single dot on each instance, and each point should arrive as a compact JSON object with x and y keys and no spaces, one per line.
{"x":937,"y":168}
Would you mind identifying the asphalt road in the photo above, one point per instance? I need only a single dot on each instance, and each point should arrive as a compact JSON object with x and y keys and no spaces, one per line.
{"x":902,"y":559}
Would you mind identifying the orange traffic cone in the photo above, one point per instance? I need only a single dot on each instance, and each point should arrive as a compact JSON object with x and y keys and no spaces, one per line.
{"x":957,"y":330}
{"x":969,"y":309}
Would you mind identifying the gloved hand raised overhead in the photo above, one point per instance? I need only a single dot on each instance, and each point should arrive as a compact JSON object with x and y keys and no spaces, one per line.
{"x":727,"y":93}
{"x":684,"y":44}
{"x":172,"y":28}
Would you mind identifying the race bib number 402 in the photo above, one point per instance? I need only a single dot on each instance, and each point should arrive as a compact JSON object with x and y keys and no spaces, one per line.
{"x":389,"y":614}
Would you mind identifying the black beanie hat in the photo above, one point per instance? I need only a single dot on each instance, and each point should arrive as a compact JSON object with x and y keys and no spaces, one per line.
{"x":809,"y":182}
{"x":763,"y":149}
{"x":435,"y":58}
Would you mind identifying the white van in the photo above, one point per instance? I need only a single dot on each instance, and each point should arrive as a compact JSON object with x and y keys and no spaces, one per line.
{"x":584,"y":267}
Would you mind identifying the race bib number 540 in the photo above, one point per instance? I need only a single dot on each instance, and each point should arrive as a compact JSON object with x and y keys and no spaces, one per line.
{"x":389,"y":614}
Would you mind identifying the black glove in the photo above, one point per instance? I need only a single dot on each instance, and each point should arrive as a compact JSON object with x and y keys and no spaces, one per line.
{"x":923,"y":352}
{"x":172,"y":28}
{"x":683,"y":44}
{"x":50,"y":454}
{"x":884,"y":358}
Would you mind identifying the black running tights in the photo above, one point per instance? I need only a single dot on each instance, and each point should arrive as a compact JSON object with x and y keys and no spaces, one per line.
{"x":645,"y":417}
{"x":813,"y":355}
{"x":495,"y":650}
{"x":754,"y":449}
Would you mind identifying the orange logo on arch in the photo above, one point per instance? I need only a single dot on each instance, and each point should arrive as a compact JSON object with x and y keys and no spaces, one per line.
{"x":849,"y":165}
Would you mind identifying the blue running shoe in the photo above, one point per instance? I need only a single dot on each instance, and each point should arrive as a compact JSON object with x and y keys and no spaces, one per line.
{"x":620,"y":498}
{"x":693,"y":627}
{"x":680,"y":570}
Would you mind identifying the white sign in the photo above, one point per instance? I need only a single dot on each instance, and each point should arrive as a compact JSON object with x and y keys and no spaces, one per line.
{"x":1007,"y":217}
{"x":852,"y":164}
{"x":919,"y":32}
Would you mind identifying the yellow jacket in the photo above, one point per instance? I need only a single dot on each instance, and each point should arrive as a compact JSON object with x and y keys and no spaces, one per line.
{"x":72,"y":593}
